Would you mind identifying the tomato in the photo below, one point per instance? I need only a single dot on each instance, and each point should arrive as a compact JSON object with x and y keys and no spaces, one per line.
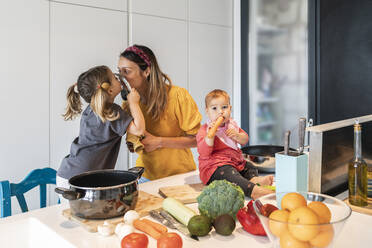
{"x":135,"y":240}
{"x":170,"y":240}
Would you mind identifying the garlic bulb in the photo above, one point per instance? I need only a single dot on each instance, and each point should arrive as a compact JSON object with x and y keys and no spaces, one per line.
{"x":130,"y":216}
{"x":106,"y":229}
{"x":123,"y":230}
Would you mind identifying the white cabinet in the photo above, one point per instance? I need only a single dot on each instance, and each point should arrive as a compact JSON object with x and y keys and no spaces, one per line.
{"x":107,"y":4}
{"x":210,"y":61}
{"x":24,"y":98}
{"x":168,"y":40}
{"x":78,"y":44}
{"x":165,"y":8}
{"x":211,"y":11}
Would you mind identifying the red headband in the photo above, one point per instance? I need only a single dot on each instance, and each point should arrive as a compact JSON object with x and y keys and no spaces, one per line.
{"x":140,"y":53}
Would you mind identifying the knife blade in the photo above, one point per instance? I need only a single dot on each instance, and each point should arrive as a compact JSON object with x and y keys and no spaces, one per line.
{"x":183,"y":229}
{"x":157,"y":216}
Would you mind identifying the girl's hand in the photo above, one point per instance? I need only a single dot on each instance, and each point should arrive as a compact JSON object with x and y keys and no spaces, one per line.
{"x":151,"y":142}
{"x":232,"y":134}
{"x":133,"y":96}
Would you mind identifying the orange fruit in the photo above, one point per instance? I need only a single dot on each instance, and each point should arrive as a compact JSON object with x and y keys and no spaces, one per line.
{"x":303,"y":223}
{"x":288,"y":241}
{"x":278,"y":222}
{"x":293,"y":200}
{"x":321,"y":210}
{"x":324,"y":237}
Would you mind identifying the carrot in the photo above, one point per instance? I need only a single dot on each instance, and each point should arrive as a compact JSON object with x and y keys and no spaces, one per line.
{"x":213,"y":130}
{"x":146,"y":228}
{"x":158,"y":227}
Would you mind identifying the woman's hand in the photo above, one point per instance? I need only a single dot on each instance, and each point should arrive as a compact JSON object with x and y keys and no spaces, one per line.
{"x":133,"y":96}
{"x":151,"y":142}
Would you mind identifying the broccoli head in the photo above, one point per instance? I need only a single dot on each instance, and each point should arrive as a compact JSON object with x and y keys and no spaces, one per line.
{"x":220,"y":197}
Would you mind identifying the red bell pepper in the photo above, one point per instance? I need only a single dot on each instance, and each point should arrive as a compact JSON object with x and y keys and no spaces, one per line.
{"x":250,"y":221}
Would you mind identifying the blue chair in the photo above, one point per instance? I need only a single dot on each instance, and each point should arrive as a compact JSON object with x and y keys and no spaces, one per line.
{"x":34,"y":178}
{"x":143,"y":180}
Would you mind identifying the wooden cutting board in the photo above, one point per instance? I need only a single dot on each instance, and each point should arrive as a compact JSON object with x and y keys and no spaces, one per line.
{"x":185,"y":193}
{"x":362,"y":210}
{"x":146,"y":202}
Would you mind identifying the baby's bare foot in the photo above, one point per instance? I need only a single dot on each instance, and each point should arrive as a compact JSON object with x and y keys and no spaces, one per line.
{"x":258,"y":191}
{"x":265,"y":180}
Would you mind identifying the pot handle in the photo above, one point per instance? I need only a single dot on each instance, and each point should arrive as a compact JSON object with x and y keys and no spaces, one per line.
{"x":137,"y":170}
{"x":67,"y":193}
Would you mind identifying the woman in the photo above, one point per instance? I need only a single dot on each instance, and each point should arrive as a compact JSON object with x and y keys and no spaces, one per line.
{"x":171,"y":115}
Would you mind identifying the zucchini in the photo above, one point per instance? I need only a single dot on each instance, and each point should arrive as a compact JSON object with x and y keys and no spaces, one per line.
{"x":270,"y":187}
{"x":178,"y":210}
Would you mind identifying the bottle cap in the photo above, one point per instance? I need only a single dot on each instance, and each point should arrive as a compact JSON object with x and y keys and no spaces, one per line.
{"x":357,"y":126}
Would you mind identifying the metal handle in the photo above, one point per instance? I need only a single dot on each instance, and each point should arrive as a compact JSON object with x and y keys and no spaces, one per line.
{"x":137,"y":170}
{"x":68,"y":194}
{"x":301,"y":134}
{"x":286,"y":142}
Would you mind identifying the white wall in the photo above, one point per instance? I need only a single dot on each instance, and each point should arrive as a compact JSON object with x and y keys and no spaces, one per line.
{"x":45,"y":45}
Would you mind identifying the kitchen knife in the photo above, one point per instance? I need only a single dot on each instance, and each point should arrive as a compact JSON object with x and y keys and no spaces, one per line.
{"x":183,"y":229}
{"x":286,"y":142}
{"x":301,"y":135}
{"x":157,"y":216}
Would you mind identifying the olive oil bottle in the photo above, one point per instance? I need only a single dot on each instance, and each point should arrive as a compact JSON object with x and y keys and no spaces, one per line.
{"x":358,"y":172}
{"x":369,"y":179}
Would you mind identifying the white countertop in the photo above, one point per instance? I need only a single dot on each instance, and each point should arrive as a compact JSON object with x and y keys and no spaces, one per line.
{"x":357,"y":231}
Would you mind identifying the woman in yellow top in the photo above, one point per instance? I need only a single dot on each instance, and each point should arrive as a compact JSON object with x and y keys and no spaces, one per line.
{"x":171,"y":115}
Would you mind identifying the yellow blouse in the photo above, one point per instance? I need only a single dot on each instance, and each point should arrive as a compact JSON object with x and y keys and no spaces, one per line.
{"x":180,"y":118}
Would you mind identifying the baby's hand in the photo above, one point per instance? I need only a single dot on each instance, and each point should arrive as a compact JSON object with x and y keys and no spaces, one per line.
{"x":133,"y":96}
{"x":211,"y":124}
{"x":232,"y":133}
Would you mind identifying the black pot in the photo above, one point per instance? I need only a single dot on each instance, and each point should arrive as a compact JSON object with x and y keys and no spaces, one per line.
{"x":102,"y":194}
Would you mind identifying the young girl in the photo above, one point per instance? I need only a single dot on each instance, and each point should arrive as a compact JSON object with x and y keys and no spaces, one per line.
{"x":102,"y":124}
{"x":219,"y":155}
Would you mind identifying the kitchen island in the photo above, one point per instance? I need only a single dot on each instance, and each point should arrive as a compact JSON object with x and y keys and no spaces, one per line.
{"x":48,"y":228}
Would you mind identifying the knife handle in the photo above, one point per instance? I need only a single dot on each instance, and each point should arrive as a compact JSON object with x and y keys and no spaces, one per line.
{"x":301,"y":134}
{"x":286,"y":142}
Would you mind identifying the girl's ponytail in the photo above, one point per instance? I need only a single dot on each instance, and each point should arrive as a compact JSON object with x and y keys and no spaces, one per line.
{"x":101,"y":105}
{"x":93,"y":85}
{"x":73,"y":104}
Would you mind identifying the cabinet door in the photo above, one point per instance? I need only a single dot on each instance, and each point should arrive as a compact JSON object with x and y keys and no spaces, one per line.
{"x":165,"y":8}
{"x":87,"y":38}
{"x":210,"y":61}
{"x":24,"y":94}
{"x":168,"y":40}
{"x":211,"y":11}
{"x":107,"y":4}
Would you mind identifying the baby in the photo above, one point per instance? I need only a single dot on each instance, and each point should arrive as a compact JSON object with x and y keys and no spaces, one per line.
{"x":219,"y":154}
